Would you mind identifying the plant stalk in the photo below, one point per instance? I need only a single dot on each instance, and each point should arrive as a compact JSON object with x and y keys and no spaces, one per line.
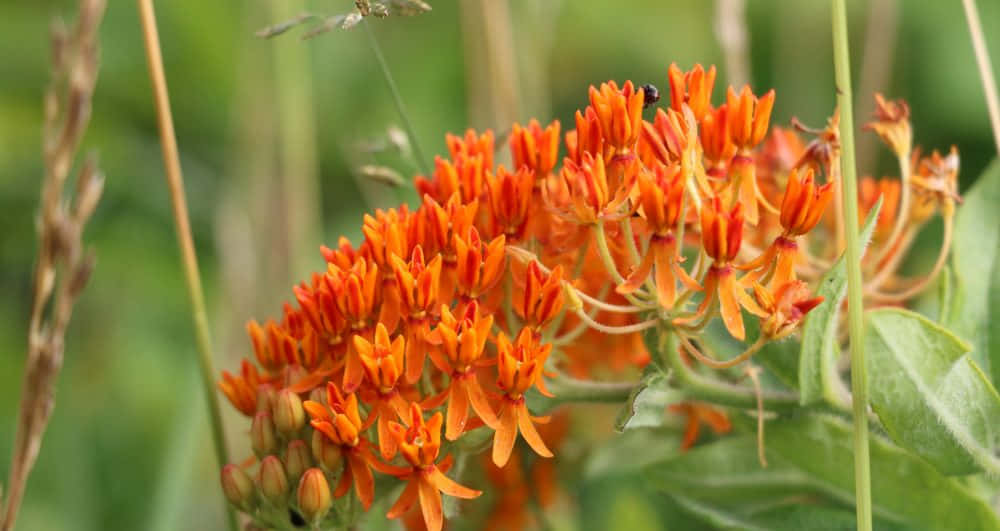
{"x":175,"y":182}
{"x":985,"y":68}
{"x":855,"y":308}
{"x":397,"y":99}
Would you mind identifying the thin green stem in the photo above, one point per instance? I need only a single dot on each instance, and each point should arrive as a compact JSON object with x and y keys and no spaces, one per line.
{"x":855,"y":308}
{"x":397,"y":99}
{"x":175,"y":181}
{"x":985,"y":69}
{"x":569,"y":389}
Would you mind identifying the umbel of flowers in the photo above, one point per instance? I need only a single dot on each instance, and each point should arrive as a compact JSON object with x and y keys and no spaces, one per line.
{"x":421,"y":344}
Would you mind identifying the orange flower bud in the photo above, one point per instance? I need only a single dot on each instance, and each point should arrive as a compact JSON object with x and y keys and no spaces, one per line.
{"x":510,"y":198}
{"x":472,"y":145}
{"x":693,"y":88}
{"x":289,"y":417}
{"x":262,"y":434}
{"x":242,"y":390}
{"x":383,"y":360}
{"x":272,"y":480}
{"x":593,"y":196}
{"x":313,"y":496}
{"x":804,"y":203}
{"x":238,"y":487}
{"x":339,"y":420}
{"x":619,"y":112}
{"x":520,"y":364}
{"x":543,"y":296}
{"x":298,"y":458}
{"x":869,"y":190}
{"x":664,"y":140}
{"x":784,"y":308}
{"x":586,"y":138}
{"x":479,"y":266}
{"x":661,"y":195}
{"x":715,"y":140}
{"x":721,"y":231}
{"x":273,"y":346}
{"x":748,"y":116}
{"x":534,"y":148}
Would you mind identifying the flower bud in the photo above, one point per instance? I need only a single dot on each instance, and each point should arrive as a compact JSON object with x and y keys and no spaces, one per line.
{"x":313,"y":495}
{"x":262,"y":435}
{"x":289,"y":417}
{"x":297,"y":459}
{"x":237,"y":487}
{"x":318,"y":395}
{"x":266,"y":397}
{"x":327,"y":453}
{"x":272,"y":480}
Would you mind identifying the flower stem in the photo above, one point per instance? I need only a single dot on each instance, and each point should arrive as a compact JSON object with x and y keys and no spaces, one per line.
{"x":175,"y":182}
{"x":849,"y":189}
{"x":397,"y":99}
{"x":985,"y":70}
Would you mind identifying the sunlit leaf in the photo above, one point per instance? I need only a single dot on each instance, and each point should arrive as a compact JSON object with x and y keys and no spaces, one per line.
{"x":818,"y":359}
{"x":976,"y":259}
{"x":930,"y":395}
{"x":647,"y":405}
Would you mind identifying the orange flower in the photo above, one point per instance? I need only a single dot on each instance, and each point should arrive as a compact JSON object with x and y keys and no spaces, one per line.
{"x":661,"y":197}
{"x":418,"y":288}
{"x":593,"y":198}
{"x":784,"y":307}
{"x":534,"y":148}
{"x":520,"y":365}
{"x":619,"y":111}
{"x":510,"y":197}
{"x":665,"y":140}
{"x":721,"y":236}
{"x":340,"y":422}
{"x":693,"y":88}
{"x":715,"y":141}
{"x":892,"y":124}
{"x":698,"y":413}
{"x":543,"y":297}
{"x":420,"y":444}
{"x":383,"y":365}
{"x":273,"y":346}
{"x":748,"y":120}
{"x":586,"y":138}
{"x":356,"y":293}
{"x":869,"y":190}
{"x":462,"y":343}
{"x":242,"y":390}
{"x":479,"y":266}
{"x":472,"y":145}
{"x":441,"y":225}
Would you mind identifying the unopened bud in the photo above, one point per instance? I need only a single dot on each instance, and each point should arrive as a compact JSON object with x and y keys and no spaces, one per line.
{"x":314,"y":495}
{"x":272,"y":480}
{"x":318,"y":395}
{"x":262,"y":435}
{"x":237,"y":487}
{"x":327,"y":454}
{"x":266,"y":396}
{"x":297,"y":459}
{"x":289,"y":417}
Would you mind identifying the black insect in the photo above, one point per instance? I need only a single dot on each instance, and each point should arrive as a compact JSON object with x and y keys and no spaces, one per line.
{"x":652,"y":95}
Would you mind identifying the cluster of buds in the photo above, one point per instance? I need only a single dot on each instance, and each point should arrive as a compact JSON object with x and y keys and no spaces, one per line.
{"x":436,"y":330}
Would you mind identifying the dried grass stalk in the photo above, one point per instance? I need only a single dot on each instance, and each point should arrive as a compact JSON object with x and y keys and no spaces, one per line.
{"x":63,"y":266}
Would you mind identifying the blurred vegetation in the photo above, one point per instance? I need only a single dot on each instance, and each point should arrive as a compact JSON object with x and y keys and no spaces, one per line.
{"x":128,"y":443}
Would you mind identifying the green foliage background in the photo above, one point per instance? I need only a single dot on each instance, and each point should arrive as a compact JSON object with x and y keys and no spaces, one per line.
{"x":128,"y":444}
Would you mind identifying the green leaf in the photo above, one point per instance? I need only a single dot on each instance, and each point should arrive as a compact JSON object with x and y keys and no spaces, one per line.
{"x":905,"y":489}
{"x":930,"y":395}
{"x":792,"y":515}
{"x":648,"y":402}
{"x":976,"y":258}
{"x":632,"y":451}
{"x":818,"y":378}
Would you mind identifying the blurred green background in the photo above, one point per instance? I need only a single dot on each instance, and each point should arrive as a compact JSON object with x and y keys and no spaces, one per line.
{"x":128,"y":443}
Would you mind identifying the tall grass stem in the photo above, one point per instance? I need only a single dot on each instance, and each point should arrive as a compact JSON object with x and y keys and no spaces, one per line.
{"x":855,"y":308}
{"x":985,"y":67}
{"x":175,"y":182}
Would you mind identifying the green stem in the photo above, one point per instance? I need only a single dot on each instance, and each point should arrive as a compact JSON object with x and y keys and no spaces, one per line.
{"x":397,"y":99}
{"x":849,"y":189}
{"x":569,"y":389}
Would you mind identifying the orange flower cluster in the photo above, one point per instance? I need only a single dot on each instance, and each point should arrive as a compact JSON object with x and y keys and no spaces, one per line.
{"x":447,"y":317}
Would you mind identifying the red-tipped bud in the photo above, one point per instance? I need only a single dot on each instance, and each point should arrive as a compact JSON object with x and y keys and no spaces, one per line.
{"x":289,"y":417}
{"x":314,"y":496}
{"x":272,"y":480}
{"x":237,"y":487}
{"x":262,"y":434}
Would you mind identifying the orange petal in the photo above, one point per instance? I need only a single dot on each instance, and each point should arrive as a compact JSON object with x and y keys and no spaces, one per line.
{"x":405,"y":501}
{"x":344,"y":484}
{"x":364,"y":482}
{"x":732,"y":316}
{"x":450,"y":487}
{"x":638,"y":276}
{"x":386,"y":442}
{"x":430,"y":505}
{"x":354,"y":373}
{"x":480,"y":404}
{"x":506,"y":432}
{"x":458,"y":410}
{"x":529,"y":433}
{"x":415,"y":356}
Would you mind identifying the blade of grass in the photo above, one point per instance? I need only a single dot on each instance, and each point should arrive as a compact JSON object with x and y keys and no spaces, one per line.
{"x":175,"y":182}
{"x":985,"y":67}
{"x":849,"y":189}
